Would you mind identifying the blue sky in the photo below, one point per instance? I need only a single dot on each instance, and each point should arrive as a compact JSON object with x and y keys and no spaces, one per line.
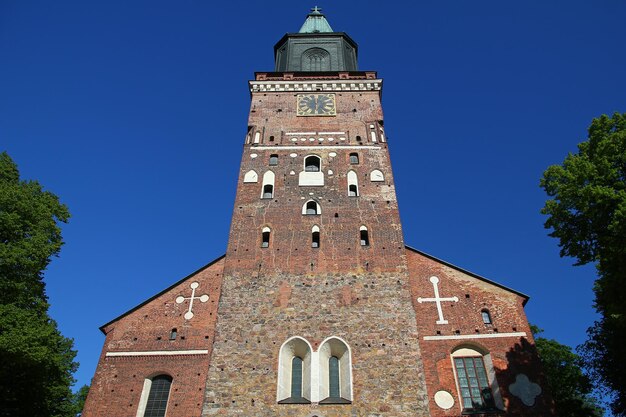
{"x":130,"y":110}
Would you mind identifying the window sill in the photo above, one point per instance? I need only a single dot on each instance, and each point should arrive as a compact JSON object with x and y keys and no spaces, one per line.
{"x":294,"y":401}
{"x":335,"y":400}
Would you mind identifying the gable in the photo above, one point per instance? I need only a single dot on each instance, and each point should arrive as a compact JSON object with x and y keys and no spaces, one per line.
{"x":423,"y":263}
{"x":213,"y":267}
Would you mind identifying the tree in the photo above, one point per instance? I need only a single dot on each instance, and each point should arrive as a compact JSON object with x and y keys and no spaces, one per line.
{"x":571,"y":388}
{"x":587,"y":213}
{"x":79,"y":398}
{"x":37,"y":361}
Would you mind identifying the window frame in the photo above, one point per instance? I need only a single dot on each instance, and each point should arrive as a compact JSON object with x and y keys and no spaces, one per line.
{"x":472,"y":352}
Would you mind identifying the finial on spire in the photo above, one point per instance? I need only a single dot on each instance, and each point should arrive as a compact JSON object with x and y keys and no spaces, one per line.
{"x":315,"y":22}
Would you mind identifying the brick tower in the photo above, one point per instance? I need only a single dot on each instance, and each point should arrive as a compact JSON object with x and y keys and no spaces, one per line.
{"x":318,"y":308}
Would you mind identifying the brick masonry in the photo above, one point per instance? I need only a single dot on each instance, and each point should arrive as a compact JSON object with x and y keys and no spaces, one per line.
{"x":366,"y":295}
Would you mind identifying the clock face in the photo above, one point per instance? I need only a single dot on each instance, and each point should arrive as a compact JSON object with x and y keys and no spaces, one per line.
{"x":316,"y":105}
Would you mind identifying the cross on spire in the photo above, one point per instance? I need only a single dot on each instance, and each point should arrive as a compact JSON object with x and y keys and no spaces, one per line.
{"x":437,"y":300}
{"x":316,"y":10}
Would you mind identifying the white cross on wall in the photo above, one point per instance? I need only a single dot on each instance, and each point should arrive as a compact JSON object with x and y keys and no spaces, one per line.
{"x":437,"y":300}
{"x":203,"y":298}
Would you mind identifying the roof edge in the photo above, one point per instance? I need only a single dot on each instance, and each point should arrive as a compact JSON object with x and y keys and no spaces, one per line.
{"x":137,"y":307}
{"x":465,"y":271}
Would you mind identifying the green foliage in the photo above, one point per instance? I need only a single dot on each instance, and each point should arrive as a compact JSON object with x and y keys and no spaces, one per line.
{"x":37,"y":361}
{"x":587,"y":213}
{"x":571,"y":388}
{"x":78,"y":400}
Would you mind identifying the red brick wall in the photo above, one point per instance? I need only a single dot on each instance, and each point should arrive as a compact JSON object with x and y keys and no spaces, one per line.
{"x":274,"y":114}
{"x":117,"y":385}
{"x":510,"y":355}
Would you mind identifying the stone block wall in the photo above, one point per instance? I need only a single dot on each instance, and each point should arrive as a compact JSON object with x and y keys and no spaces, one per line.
{"x":371,"y":312}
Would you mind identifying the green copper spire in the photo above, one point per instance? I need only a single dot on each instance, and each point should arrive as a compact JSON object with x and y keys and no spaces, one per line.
{"x":315,"y":22}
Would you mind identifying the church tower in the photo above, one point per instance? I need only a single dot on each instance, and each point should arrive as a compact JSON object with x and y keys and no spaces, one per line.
{"x":318,"y":308}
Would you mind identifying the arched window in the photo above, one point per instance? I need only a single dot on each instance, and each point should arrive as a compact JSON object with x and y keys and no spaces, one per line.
{"x":312,"y":163}
{"x":353,"y":187}
{"x":354,"y":158}
{"x":273,"y":157}
{"x":265,"y":237}
{"x":478,"y":388}
{"x":335,"y":367}
{"x":294,"y":372}
{"x":365,"y":239}
{"x":358,"y":138}
{"x":156,"y":392}
{"x":311,"y":207}
{"x":268,"y":185}
{"x":315,"y":237}
{"x":173,"y":334}
{"x":486,"y":316}
{"x":315,"y":59}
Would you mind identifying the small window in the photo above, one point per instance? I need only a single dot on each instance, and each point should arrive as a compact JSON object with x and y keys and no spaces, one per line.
{"x":273,"y":159}
{"x":358,"y":138}
{"x":311,"y":207}
{"x":268,"y":185}
{"x":333,"y":377}
{"x":353,"y":187}
{"x":354,"y":158}
{"x":271,"y":140}
{"x":173,"y":334}
{"x":486,"y":316}
{"x":265,"y":237}
{"x":315,"y":237}
{"x":312,"y":164}
{"x":365,"y":239}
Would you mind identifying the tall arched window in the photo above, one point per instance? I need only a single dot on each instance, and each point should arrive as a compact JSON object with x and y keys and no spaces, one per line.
{"x":265,"y":237}
{"x":294,"y":372}
{"x":353,"y":185}
{"x":475,"y":376}
{"x":268,"y":185}
{"x":364,"y":235}
{"x":296,"y":378}
{"x":335,"y":369}
{"x":315,"y":237}
{"x":154,"y":397}
{"x":312,"y":163}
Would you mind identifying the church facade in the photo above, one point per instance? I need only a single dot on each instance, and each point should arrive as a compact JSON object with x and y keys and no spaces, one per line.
{"x":318,"y":307}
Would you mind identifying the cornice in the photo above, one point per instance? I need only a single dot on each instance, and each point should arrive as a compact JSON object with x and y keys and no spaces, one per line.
{"x":317,"y":85}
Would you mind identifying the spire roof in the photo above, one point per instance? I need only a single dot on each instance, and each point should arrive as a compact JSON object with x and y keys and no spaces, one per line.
{"x":315,"y":22}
